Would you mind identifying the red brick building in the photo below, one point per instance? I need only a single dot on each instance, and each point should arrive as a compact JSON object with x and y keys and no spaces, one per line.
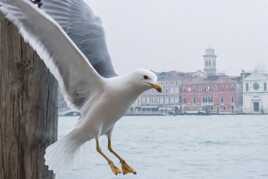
{"x":215,"y":94}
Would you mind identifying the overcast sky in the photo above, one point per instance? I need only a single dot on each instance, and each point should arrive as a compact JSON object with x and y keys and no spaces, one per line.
{"x":168,"y":35}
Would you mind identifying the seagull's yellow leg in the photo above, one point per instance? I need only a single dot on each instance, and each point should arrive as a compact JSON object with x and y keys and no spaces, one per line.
{"x":125,"y":167}
{"x":115,"y":170}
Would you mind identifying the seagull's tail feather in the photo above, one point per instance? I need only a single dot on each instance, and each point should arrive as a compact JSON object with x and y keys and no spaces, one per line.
{"x":60,"y":155}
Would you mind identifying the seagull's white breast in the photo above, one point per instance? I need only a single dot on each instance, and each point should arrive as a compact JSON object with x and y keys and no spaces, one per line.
{"x":106,"y":108}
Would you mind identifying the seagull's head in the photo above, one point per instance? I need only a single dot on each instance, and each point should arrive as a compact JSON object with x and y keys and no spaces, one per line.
{"x":145,"y":79}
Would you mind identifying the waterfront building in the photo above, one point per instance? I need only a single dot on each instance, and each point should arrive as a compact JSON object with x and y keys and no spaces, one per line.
{"x":255,"y":92}
{"x":217,"y":95}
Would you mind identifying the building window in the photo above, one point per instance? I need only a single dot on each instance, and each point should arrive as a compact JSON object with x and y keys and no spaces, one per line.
{"x":232,"y":99}
{"x":265,"y":86}
{"x":194,"y":100}
{"x":222,"y":100}
{"x":210,"y":99}
{"x":171,"y":100}
{"x":256,"y":86}
{"x":166,"y":100}
{"x":247,"y":87}
{"x":204,"y":99}
{"x":178,"y":99}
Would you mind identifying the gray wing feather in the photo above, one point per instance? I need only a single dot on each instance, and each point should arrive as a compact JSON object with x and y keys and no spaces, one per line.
{"x":85,"y":29}
{"x":76,"y":77}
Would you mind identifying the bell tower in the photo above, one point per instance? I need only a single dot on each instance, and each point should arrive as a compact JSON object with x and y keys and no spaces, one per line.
{"x":210,"y":62}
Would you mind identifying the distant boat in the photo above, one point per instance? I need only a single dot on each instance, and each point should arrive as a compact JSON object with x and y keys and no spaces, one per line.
{"x":69,"y":113}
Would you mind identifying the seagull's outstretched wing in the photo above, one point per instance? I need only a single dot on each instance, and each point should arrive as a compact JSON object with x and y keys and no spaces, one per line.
{"x":76,"y":77}
{"x":85,"y":29}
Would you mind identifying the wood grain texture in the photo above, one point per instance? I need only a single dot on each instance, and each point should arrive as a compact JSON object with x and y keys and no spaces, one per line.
{"x":28,"y":111}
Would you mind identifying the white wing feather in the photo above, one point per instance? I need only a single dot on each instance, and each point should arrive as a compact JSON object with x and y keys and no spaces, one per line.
{"x":76,"y":77}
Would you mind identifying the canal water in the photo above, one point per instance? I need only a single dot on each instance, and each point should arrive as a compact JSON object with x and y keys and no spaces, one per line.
{"x":179,"y":147}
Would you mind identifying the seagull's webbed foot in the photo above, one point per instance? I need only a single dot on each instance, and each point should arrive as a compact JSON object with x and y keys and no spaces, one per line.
{"x":126,"y":168}
{"x":114,"y":169}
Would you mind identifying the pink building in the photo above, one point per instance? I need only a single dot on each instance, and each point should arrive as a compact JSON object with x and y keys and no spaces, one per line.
{"x":215,"y":94}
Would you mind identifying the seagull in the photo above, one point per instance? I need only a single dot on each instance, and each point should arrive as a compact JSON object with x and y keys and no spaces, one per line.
{"x":75,"y":52}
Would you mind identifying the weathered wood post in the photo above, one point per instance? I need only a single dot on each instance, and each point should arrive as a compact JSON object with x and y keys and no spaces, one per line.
{"x":28,"y":112}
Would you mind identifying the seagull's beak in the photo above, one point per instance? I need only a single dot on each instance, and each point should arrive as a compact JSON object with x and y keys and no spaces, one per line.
{"x":156,"y":86}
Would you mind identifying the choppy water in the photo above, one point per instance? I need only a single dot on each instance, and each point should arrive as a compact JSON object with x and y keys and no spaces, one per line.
{"x":182,"y":147}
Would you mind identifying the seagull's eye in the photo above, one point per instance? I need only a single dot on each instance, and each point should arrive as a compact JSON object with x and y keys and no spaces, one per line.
{"x":146,"y":77}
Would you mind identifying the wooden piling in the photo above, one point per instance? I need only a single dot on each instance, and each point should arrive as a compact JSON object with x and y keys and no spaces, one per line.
{"x":28,"y":108}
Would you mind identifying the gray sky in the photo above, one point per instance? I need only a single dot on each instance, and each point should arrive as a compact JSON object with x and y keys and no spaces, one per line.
{"x":172,"y":34}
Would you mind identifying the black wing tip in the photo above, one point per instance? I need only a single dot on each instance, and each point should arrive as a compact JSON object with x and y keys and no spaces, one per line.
{"x":37,"y":2}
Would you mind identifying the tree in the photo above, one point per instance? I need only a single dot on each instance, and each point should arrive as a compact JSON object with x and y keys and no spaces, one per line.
{"x":28,"y":111}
